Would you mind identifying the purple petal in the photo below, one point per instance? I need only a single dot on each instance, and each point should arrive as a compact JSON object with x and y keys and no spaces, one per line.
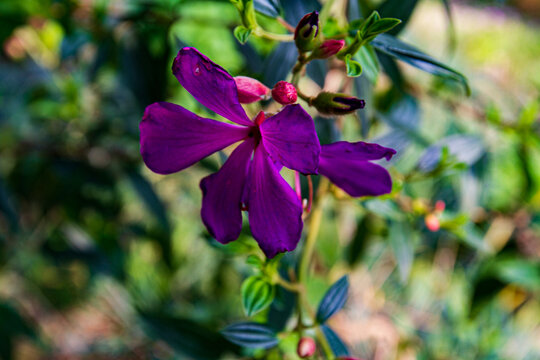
{"x":173,"y":138}
{"x":290,"y":139}
{"x":222,"y":195}
{"x":356,"y":151}
{"x":275,"y":212}
{"x":210,"y":84}
{"x":346,"y":165}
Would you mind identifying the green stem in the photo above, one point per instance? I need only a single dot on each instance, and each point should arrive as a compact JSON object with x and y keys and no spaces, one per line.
{"x":314,"y":225}
{"x":324,"y":344}
{"x":272,"y":36}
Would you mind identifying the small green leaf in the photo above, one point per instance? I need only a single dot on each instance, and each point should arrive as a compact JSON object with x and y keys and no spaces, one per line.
{"x":242,"y":34}
{"x":383,"y":25}
{"x":354,"y":68}
{"x":257,"y":294}
{"x":369,"y":22}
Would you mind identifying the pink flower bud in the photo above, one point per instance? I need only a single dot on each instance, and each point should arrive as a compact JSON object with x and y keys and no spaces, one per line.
{"x":432,"y":222}
{"x":439,"y":206}
{"x":250,"y":90}
{"x":284,"y":93}
{"x":328,"y":48}
{"x":306,"y":347}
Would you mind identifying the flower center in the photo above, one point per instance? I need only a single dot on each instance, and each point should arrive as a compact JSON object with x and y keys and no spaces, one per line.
{"x":255,"y":132}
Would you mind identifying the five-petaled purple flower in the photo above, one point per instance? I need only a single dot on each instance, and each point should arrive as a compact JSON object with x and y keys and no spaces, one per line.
{"x":173,"y":138}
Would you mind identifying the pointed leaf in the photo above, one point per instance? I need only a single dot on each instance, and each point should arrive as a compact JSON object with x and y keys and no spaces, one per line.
{"x":338,"y":346}
{"x":257,"y":294}
{"x":250,"y":335}
{"x":333,"y":300}
{"x":390,"y":45}
{"x":382,"y":26}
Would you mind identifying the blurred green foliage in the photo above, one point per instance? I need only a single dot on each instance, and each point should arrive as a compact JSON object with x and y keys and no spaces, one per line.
{"x":100,"y":258}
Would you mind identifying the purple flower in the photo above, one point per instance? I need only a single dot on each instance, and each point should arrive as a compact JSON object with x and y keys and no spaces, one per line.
{"x":348,"y":166}
{"x":173,"y":138}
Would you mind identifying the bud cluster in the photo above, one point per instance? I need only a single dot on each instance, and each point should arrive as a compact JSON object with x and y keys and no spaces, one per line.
{"x":307,"y":38}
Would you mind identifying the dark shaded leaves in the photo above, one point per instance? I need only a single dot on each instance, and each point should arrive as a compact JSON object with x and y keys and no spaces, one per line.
{"x":390,"y":45}
{"x":267,"y":7}
{"x":186,"y":336}
{"x":338,"y":347}
{"x":333,"y":300}
{"x":250,"y":335}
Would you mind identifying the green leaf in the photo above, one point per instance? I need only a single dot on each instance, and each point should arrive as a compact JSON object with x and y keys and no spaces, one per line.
{"x":255,"y":261}
{"x":370,"y":21}
{"x":403,"y":248}
{"x":381,"y":26}
{"x":354,"y":68}
{"x":336,"y":344}
{"x":529,"y":114}
{"x":400,"y":9}
{"x":367,"y":59}
{"x":242,"y":34}
{"x":333,"y":300}
{"x":257,"y":294}
{"x":390,"y":45}
{"x":251,"y":335}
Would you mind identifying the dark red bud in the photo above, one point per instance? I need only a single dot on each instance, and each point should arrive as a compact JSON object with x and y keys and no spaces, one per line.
{"x":250,"y":90}
{"x":328,"y":48}
{"x":307,"y":31}
{"x":306,"y":347}
{"x":284,"y":93}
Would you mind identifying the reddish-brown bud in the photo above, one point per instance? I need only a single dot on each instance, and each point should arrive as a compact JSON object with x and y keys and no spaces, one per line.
{"x":306,"y":347}
{"x":307,"y":31}
{"x":284,"y":93}
{"x":432,"y":222}
{"x":250,"y":90}
{"x":328,"y":48}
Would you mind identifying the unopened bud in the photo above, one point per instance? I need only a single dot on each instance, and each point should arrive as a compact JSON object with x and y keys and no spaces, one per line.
{"x":250,"y":90}
{"x":306,"y":32}
{"x":306,"y":347}
{"x":284,"y":93}
{"x":328,"y":48}
{"x":336,"y":104}
{"x":432,"y":222}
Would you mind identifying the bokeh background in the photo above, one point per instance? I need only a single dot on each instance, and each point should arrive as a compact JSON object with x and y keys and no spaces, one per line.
{"x":102,"y":259}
